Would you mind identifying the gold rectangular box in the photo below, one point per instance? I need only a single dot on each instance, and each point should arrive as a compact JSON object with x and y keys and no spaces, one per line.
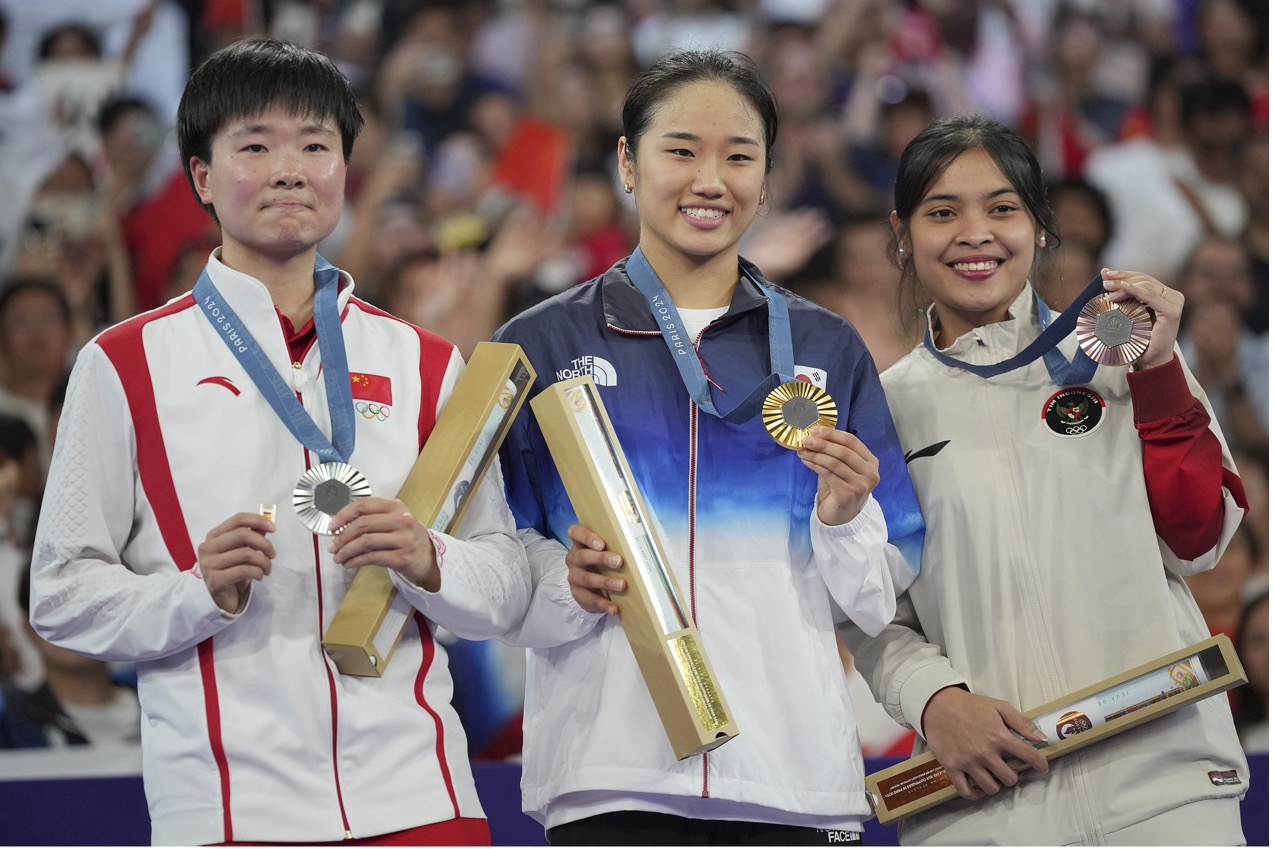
{"x":1078,"y":720}
{"x":606,"y":499}
{"x":492,"y":388}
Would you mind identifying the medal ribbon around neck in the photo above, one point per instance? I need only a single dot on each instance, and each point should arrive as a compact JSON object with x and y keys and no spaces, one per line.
{"x":281,"y":398}
{"x":1063,"y":371}
{"x":673,"y":330}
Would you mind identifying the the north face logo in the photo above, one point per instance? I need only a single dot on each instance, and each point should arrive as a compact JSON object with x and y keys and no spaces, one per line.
{"x":603,"y":373}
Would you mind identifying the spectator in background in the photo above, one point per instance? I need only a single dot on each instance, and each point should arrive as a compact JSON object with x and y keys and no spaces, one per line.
{"x":1084,"y":227}
{"x":1252,"y":700}
{"x":78,"y":703}
{"x":1253,"y":468}
{"x":1254,"y":185}
{"x":21,"y":479}
{"x":1219,"y":591}
{"x":146,"y":196}
{"x":30,"y":149}
{"x":67,"y":240}
{"x":427,"y":85}
{"x":1233,"y":40}
{"x":35,"y":349}
{"x":1229,"y":360}
{"x":1164,"y":198}
{"x":1070,"y":114}
{"x":812,"y":168}
{"x":855,"y":279}
{"x":75,"y":77}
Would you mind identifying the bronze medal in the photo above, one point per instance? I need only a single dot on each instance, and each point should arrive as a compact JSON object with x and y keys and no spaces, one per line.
{"x":1113,"y":334}
{"x":790,"y":410}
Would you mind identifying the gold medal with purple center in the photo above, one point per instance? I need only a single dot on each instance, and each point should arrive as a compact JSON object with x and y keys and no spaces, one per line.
{"x":323,"y":491}
{"x":1113,"y":334}
{"x":791,"y":409}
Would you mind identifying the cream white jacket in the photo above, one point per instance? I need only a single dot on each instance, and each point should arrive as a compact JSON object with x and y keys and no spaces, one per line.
{"x":1042,"y":574}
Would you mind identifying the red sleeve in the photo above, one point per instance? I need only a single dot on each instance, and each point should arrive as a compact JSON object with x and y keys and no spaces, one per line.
{"x":1182,"y":461}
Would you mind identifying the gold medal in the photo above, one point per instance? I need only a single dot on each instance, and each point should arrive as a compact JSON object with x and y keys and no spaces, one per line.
{"x":791,"y":409}
{"x":323,"y":491}
{"x":1113,"y":334}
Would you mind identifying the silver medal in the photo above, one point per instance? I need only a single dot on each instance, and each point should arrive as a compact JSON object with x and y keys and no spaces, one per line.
{"x":323,"y":491}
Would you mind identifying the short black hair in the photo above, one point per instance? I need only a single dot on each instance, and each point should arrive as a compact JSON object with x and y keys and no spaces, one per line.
{"x":17,"y":438}
{"x":116,"y":108}
{"x":675,"y":70}
{"x":1213,"y":96}
{"x":87,"y":34}
{"x":1092,"y":195}
{"x":252,"y":76}
{"x":21,"y":284}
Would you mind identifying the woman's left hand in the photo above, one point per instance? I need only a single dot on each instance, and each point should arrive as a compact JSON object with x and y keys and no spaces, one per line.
{"x":847,"y":473}
{"x":383,"y":532}
{"x":1166,"y":304}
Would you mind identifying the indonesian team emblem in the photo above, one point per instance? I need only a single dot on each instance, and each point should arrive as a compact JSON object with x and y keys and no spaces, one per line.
{"x":1074,"y":411}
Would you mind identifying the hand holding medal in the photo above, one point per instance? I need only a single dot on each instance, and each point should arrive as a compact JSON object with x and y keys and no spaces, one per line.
{"x":847,"y":472}
{"x":1132,"y":292}
{"x":383,"y":532}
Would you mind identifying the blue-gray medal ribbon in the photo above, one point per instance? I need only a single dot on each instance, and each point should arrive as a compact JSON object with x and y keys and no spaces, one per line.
{"x":1075,"y":372}
{"x":782,"y":367}
{"x":323,"y":490}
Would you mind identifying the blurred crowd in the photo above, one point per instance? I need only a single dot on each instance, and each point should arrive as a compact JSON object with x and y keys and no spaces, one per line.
{"x":485,"y":181}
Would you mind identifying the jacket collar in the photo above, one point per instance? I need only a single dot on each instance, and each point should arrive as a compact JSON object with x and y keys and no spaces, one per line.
{"x":626,"y":310}
{"x":1011,"y":335}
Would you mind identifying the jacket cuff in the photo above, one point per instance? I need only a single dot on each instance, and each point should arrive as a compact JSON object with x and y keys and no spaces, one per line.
{"x":870,"y":515}
{"x":1160,"y":392}
{"x":920,"y":687}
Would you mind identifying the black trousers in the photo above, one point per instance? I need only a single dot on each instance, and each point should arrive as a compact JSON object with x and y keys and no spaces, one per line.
{"x":642,"y":828}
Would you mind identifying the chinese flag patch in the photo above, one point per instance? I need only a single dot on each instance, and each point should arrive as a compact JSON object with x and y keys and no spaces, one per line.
{"x":371,"y":387}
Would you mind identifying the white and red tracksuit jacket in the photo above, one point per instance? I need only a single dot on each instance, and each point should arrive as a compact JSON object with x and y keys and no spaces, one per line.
{"x":249,"y":733}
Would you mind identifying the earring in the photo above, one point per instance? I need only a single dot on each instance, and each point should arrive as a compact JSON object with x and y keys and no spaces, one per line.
{"x":628,"y":189}
{"x":1043,"y":240}
{"x":762,"y":201}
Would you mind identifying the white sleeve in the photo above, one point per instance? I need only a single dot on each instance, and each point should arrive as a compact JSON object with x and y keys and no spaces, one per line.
{"x":554,"y":618}
{"x":485,"y":578}
{"x":900,"y":666}
{"x":83,"y":595}
{"x":863,"y":571}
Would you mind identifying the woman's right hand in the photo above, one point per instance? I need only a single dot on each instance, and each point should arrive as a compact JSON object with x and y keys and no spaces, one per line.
{"x":972,"y":737}
{"x":584,"y":563}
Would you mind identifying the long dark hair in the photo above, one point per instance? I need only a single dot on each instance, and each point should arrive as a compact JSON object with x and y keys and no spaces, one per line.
{"x":925,"y":159}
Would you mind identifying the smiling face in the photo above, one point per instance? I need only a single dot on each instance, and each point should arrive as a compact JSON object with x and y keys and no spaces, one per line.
{"x":277,"y":182}
{"x":698,"y":175}
{"x":972,"y":242}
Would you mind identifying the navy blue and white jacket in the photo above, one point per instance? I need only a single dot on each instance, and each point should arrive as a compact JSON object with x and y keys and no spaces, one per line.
{"x":765,"y":580}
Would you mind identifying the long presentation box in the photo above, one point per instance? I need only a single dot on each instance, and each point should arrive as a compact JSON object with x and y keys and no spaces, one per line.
{"x":492,"y":388}
{"x":1078,"y":720}
{"x":607,"y":500}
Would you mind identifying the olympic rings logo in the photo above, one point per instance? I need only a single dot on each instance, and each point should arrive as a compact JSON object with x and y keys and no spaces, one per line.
{"x":369,"y":410}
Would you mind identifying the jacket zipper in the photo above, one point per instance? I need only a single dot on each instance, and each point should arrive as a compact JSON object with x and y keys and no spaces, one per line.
{"x":1030,"y":577}
{"x":693,"y":500}
{"x":327,"y":666}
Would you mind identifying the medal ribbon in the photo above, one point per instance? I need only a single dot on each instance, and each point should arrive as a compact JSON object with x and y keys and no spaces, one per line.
{"x":281,"y":398}
{"x":1063,"y":371}
{"x":675,"y":335}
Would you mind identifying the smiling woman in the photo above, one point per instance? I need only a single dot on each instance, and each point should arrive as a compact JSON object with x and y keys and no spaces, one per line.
{"x":1064,"y":504}
{"x":769,"y":545}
